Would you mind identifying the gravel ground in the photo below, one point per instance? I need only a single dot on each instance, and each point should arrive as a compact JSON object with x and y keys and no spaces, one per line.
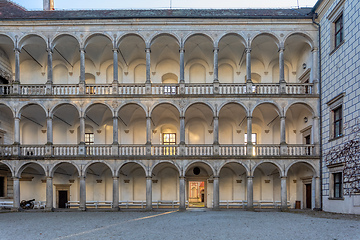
{"x":194,"y":224}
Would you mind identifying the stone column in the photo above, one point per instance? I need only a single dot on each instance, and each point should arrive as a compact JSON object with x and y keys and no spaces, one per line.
{"x":248,"y":71}
{"x":148,"y":79}
{"x":16,"y":197}
{"x":82,"y":205}
{"x":216,"y":67}
{"x":315,"y":135}
{"x":17,"y":130}
{"x":315,"y":70}
{"x":148,"y":193}
{"x":182,"y":206}
{"x":216,"y":130}
{"x":182,"y":65}
{"x":148,"y":135}
{"x":115,"y":66}
{"x":281,"y":65}
{"x":50,"y":66}
{"x":182,"y":130}
{"x":283,"y":145}
{"x":49,"y":130}
{"x":216,"y":193}
{"x":250,"y":197}
{"x":17,"y":65}
{"x":82,"y":130}
{"x":249,"y":145}
{"x":317,"y":193}
{"x":116,"y":193}
{"x":82,"y":65}
{"x":49,"y":194}
{"x":115,"y":130}
{"x":283,"y":193}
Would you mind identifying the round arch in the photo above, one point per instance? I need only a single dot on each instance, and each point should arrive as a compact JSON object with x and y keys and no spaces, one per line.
{"x":86,"y":167}
{"x":308,"y":38}
{"x":10,"y":168}
{"x":118,"y":109}
{"x":242,"y":38}
{"x":7,"y":106}
{"x":162,"y":162}
{"x":203,"y":103}
{"x":237,"y":162}
{"x":90,"y":105}
{"x":277,"y":166}
{"x":22,"y":40}
{"x":157,"y":35}
{"x":232,"y":102}
{"x":277,"y":107}
{"x":306,"y":105}
{"x":187,"y":37}
{"x":125,"y":35}
{"x":56,"y":107}
{"x":30,"y":104}
{"x":187,"y":166}
{"x":163,"y":102}
{"x":308,"y":164}
{"x":269,"y":34}
{"x":58,"y":36}
{"x":57,"y":164}
{"x":24,"y":165}
{"x":117,"y":170}
{"x":88,"y":38}
{"x":9,"y":37}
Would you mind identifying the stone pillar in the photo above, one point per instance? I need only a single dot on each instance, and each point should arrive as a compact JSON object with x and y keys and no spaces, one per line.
{"x":182,"y":130}
{"x":250,"y":197}
{"x":116,"y":193}
{"x":49,"y":130}
{"x":115,"y":130}
{"x":148,"y":79}
{"x":283,"y":193}
{"x":317,"y":193}
{"x":216,"y":135}
{"x":315,"y":136}
{"x":281,"y":71}
{"x":115,"y":66}
{"x":283,"y":145}
{"x":182,"y":64}
{"x":82,"y":65}
{"x":82,"y":205}
{"x":49,"y":67}
{"x":216,"y":193}
{"x":82,"y":147}
{"x":148,"y":193}
{"x":148,"y":135}
{"x":17,"y":65}
{"x":182,"y":206}
{"x":16,"y":197}
{"x":216,"y":67}
{"x":248,"y":71}
{"x":49,"y":194}
{"x":249,"y":145}
{"x":315,"y":70}
{"x":17,"y":130}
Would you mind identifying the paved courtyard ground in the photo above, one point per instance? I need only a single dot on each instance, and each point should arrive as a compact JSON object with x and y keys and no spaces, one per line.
{"x":197,"y":224}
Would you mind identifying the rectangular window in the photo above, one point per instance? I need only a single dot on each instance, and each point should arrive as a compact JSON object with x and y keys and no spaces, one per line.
{"x":337,"y":185}
{"x":253,"y":138}
{"x":337,"y":122}
{"x":339,"y":31}
{"x":169,"y":139}
{"x":89,"y":138}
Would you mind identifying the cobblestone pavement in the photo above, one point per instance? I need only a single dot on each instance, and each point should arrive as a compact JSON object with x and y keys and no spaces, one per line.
{"x":194,"y":224}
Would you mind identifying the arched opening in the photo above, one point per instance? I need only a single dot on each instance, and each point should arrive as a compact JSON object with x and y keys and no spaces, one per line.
{"x":6,"y":186}
{"x":199,"y":124}
{"x":65,"y":122}
{"x":6,"y":126}
{"x":132,"y":124}
{"x":7,"y":57}
{"x":232,"y":124}
{"x":33,"y":127}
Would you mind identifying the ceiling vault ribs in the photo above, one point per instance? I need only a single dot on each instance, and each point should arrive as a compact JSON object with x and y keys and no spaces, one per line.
{"x":32,"y":57}
{"x":63,"y":57}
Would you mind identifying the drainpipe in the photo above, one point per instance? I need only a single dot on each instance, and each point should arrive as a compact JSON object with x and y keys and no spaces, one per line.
{"x":320,"y":95}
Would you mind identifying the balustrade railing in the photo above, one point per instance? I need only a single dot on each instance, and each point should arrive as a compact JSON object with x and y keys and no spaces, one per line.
{"x":158,"y":89}
{"x":32,"y":150}
{"x":99,"y":150}
{"x":38,"y":89}
{"x":300,"y":149}
{"x":65,"y":150}
{"x":232,"y":150}
{"x":132,"y":150}
{"x":5,"y":89}
{"x":72,"y":150}
{"x":199,"y":150}
{"x":267,"y":150}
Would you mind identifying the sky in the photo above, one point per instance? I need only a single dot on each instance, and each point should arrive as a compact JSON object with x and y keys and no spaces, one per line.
{"x":160,"y":4}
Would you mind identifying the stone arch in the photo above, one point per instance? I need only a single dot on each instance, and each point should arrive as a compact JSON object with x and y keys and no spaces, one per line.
{"x":272,"y":35}
{"x":276,"y":164}
{"x":57,"y":164}
{"x":242,"y":38}
{"x":22,"y":40}
{"x":24,"y":165}
{"x":54,"y":108}
{"x":86,"y":167}
{"x":97,"y":102}
{"x":10,"y":37}
{"x":307,"y":163}
{"x":121,"y":38}
{"x":234,"y":102}
{"x":7,"y":106}
{"x":10,"y":168}
{"x":117,"y":170}
{"x":277,"y":107}
{"x":143,"y":107}
{"x":248,"y":171}
{"x":309,"y":39}
{"x":165,"y":161}
{"x":307,"y":106}
{"x":204,"y":103}
{"x":57,"y":36}
{"x":163,"y":102}
{"x":94,"y":34}
{"x":29,"y":104}
{"x":157,"y":35}
{"x":187,"y":166}
{"x":197,"y":33}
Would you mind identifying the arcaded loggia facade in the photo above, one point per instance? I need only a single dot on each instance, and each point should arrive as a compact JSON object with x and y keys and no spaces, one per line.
{"x":159,"y":108}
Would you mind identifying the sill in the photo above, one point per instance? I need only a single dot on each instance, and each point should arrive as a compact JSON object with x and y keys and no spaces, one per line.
{"x":333,"y":198}
{"x":333,"y":139}
{"x":337,"y":47}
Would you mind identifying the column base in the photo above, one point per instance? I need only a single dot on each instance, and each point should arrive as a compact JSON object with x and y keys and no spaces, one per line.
{"x":82,"y":209}
{"x":182,"y":209}
{"x":115,"y":209}
{"x":148,"y":209}
{"x":49,"y":209}
{"x":216,"y":208}
{"x":317,"y":209}
{"x":250,"y":208}
{"x":15,"y":209}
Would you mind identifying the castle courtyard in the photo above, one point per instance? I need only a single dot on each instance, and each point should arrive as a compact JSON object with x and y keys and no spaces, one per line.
{"x":192,"y":224}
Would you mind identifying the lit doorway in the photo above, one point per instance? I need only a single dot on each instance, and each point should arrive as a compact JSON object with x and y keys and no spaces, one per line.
{"x":196,"y":194}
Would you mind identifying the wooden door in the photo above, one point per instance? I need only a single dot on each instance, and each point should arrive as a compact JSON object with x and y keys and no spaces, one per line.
{"x":308,"y":195}
{"x":63,"y":196}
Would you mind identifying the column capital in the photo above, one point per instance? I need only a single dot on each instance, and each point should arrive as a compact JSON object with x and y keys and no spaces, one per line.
{"x":247,"y":50}
{"x":216,"y":177}
{"x":216,"y":49}
{"x":82,"y":50}
{"x":181,"y":50}
{"x":148,"y":177}
{"x":249,"y":117}
{"x":316,"y":118}
{"x":216,"y":117}
{"x":49,"y":177}
{"x":281,"y":49}
{"x":147,"y":50}
{"x":115,"y":50}
{"x":249,"y":177}
{"x":282,"y":117}
{"x":314,"y":49}
{"x":182,"y":117}
{"x":182,"y":177}
{"x":17,"y":50}
{"x":49,"y":50}
{"x":82,"y":177}
{"x":49,"y":117}
{"x":15,"y":178}
{"x":115,"y":177}
{"x":283,"y":177}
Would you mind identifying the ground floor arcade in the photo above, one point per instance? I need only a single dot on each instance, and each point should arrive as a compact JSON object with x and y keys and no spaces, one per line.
{"x":148,"y":184}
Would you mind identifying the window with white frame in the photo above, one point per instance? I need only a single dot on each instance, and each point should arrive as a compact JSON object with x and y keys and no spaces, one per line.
{"x":336,"y":116}
{"x":336,"y":181}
